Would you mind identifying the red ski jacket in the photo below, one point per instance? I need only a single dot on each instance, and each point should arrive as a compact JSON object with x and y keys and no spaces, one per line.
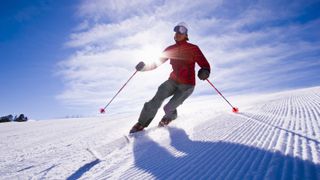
{"x":183,"y":56}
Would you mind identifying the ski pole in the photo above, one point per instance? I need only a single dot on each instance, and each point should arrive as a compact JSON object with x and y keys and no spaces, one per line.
{"x":102,"y":110}
{"x":234,"y":109}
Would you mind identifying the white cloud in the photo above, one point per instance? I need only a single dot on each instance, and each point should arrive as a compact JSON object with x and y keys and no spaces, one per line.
{"x":116,"y":35}
{"x":116,"y":10}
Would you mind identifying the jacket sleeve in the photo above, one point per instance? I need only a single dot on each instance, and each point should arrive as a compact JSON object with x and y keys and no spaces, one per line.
{"x":154,"y":65}
{"x":201,"y":59}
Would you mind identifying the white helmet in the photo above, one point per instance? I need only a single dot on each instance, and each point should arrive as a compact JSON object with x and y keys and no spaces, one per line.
{"x":181,"y":28}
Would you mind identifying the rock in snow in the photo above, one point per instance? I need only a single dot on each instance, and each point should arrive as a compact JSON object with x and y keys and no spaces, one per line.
{"x":276,"y":136}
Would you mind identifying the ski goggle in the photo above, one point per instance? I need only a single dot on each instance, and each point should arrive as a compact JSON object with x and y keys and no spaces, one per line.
{"x":180,"y":29}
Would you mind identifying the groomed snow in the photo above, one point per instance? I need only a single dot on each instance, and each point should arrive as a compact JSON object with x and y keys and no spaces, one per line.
{"x":274,"y":136}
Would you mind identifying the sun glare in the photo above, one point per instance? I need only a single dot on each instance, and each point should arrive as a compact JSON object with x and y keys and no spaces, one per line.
{"x":150,"y":54}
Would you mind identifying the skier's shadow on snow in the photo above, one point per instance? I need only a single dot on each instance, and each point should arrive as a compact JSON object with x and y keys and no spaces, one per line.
{"x":214,"y":160}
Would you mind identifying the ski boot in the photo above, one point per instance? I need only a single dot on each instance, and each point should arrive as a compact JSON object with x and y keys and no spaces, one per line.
{"x":164,"y":122}
{"x":136,"y":128}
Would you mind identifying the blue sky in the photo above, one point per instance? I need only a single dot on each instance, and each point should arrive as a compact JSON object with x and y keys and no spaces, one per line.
{"x":62,"y":58}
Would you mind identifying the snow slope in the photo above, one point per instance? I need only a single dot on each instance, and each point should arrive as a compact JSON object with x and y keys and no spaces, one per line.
{"x":274,"y":137}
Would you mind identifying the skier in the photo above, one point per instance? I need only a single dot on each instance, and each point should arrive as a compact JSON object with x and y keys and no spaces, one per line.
{"x":181,"y":83}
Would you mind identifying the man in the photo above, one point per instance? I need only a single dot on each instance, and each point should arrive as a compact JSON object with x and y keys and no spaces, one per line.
{"x":180,"y":85}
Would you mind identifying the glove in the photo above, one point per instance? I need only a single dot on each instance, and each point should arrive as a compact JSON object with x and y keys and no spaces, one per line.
{"x":140,"y":66}
{"x":203,"y":73}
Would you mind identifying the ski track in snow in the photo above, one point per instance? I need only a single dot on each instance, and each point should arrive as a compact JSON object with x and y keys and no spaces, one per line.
{"x":276,"y":138}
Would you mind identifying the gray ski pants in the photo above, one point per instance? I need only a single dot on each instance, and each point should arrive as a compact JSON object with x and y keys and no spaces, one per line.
{"x":180,"y":93}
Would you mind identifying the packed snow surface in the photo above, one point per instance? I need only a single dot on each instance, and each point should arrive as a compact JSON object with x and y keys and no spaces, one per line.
{"x":274,"y":136}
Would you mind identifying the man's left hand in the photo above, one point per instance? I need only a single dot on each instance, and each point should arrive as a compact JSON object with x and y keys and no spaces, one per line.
{"x":203,"y":73}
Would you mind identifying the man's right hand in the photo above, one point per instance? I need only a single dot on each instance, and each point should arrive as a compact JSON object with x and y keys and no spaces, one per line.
{"x":140,"y":66}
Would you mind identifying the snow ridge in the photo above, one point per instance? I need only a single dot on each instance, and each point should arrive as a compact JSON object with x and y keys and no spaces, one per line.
{"x":275,"y":138}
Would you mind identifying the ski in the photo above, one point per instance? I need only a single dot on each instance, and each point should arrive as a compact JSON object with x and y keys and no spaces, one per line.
{"x":103,"y":151}
{"x":94,"y":153}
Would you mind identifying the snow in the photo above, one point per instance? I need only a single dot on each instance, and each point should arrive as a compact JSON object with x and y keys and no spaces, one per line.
{"x":275,"y":136}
